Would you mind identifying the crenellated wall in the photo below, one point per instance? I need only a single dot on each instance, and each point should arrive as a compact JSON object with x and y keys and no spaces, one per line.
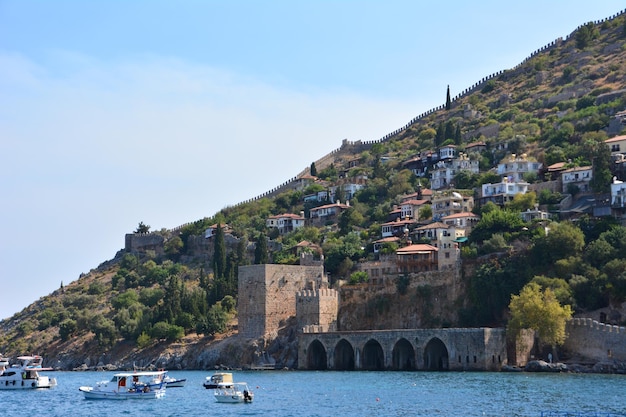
{"x":319,"y":308}
{"x":594,"y":340}
{"x":143,"y":242}
{"x":267,"y":295}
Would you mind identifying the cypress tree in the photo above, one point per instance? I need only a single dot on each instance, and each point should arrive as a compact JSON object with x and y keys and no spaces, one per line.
{"x":219,"y":254}
{"x":440,"y":136}
{"x":449,"y":131}
{"x":260,"y":252}
{"x":313,"y":169}
{"x":448,"y":101}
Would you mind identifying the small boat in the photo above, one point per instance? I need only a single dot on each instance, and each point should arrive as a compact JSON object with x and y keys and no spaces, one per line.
{"x":128,"y":385}
{"x":171,"y":382}
{"x":212,"y":382}
{"x":233,"y":392}
{"x":25,"y":374}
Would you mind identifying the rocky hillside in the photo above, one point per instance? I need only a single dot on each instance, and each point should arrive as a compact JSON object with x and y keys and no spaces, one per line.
{"x":174,"y":309}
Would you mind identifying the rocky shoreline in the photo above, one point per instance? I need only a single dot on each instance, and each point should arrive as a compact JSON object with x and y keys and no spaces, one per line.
{"x":605,"y":367}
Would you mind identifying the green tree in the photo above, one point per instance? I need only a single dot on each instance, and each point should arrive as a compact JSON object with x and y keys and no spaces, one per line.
{"x":425,"y":212}
{"x":260,"y":251}
{"x":173,"y":247}
{"x":601,"y":158}
{"x":448,"y":101}
{"x":358,"y":277}
{"x":585,"y":35}
{"x":562,"y":240}
{"x":349,"y":219}
{"x":67,"y":328}
{"x":313,"y":169}
{"x":219,"y":253}
{"x":440,"y":137}
{"x":522,"y":202}
{"x":496,"y":221}
{"x":539,"y":310}
{"x":142,"y":228}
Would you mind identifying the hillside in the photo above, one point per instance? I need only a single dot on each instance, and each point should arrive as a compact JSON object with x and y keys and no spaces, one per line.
{"x":173,"y":304}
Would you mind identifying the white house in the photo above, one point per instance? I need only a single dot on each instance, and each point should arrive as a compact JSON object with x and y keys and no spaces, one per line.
{"x":618,"y":194}
{"x":286,"y":223}
{"x":443,"y":173}
{"x":513,"y":168}
{"x":577,"y":176}
{"x":410,"y":209}
{"x":465,"y":221}
{"x":502,"y":192}
{"x":449,"y":202}
{"x":443,"y":237}
{"x":617,"y":144}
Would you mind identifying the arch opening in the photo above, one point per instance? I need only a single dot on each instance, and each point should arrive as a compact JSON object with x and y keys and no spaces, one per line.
{"x":436,"y":356}
{"x":316,"y":358}
{"x":403,"y":356}
{"x":373,"y":356}
{"x":343,"y":356}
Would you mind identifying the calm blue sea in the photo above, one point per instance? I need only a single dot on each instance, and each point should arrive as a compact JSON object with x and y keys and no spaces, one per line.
{"x":329,"y":394}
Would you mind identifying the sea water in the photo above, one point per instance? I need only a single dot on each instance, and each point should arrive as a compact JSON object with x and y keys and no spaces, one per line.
{"x":332,"y":393}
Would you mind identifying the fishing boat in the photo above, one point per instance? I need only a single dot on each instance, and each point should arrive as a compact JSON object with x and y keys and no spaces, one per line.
{"x":233,"y":392}
{"x":212,"y":382}
{"x":145,"y":385}
{"x":24,"y":374}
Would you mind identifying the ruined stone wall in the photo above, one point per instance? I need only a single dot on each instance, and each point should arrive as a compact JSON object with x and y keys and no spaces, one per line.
{"x":594,"y":340}
{"x":267,"y":295}
{"x":318,"y":307}
{"x":141,"y":243}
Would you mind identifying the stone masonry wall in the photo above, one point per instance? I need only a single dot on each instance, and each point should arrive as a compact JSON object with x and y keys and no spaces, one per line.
{"x":594,"y":340}
{"x":318,"y":307}
{"x":140,"y":243}
{"x":267,"y":295}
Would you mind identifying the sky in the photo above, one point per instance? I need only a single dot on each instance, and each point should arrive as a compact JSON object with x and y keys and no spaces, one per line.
{"x":118,"y":112}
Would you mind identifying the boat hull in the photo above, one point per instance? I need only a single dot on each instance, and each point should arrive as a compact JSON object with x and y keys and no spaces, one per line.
{"x":177,"y":383}
{"x":94,"y":394}
{"x":13,"y":384}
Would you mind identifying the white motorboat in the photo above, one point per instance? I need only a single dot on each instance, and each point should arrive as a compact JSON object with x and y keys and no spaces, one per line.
{"x":24,"y":374}
{"x":233,"y":392}
{"x":128,"y":385}
{"x":212,"y":382}
{"x":171,"y":382}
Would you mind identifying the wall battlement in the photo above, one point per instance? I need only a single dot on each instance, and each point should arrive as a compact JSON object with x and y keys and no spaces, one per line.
{"x":317,"y":294}
{"x":596,"y":325}
{"x":595,"y":340}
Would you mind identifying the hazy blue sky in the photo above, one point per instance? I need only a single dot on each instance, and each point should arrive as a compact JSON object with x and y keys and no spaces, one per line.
{"x":164,"y":112}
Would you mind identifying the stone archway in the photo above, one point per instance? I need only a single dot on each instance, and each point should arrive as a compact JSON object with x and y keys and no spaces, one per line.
{"x":316,"y":358}
{"x":403,"y":356}
{"x":373,"y":356}
{"x":343,"y":356}
{"x":436,"y":356}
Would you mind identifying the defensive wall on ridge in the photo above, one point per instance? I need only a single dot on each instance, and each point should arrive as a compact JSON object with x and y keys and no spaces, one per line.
{"x":478,"y":349}
{"x":359,"y":146}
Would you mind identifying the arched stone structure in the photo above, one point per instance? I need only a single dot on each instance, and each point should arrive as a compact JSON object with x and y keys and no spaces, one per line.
{"x":479,"y":349}
{"x":373,"y":358}
{"x":403,"y":356}
{"x":436,"y":356}
{"x":343,"y":356}
{"x":316,"y":357}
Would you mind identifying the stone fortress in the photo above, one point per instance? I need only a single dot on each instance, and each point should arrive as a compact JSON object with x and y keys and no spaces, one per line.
{"x":271,"y":295}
